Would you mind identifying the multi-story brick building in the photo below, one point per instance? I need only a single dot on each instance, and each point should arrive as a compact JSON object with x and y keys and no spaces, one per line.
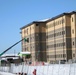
{"x":51,"y":40}
{"x":36,"y":32}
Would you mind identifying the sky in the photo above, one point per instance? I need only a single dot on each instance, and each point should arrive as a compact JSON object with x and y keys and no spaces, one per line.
{"x":15,"y":14}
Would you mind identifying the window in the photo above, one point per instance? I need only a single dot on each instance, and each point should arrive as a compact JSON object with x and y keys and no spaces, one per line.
{"x":73,"y":42}
{"x":73,"y":55}
{"x":37,"y":34}
{"x":25,"y":49}
{"x":46,"y":46}
{"x":58,"y":22}
{"x":64,"y":44}
{"x":54,"y":23}
{"x":27,"y":30}
{"x":33,"y":27}
{"x":72,"y":30}
{"x":63,"y":32}
{"x":33,"y":46}
{"x":64,"y":55}
{"x":60,"y":33}
{"x":46,"y":26}
{"x":62,"y":21}
{"x":72,"y":19}
{"x":24,"y":31}
{"x":37,"y":24}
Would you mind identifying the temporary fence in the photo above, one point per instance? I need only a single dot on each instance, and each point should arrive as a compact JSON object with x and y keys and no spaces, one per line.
{"x":52,"y":69}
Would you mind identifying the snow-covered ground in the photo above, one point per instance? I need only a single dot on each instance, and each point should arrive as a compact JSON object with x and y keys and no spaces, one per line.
{"x":6,"y":73}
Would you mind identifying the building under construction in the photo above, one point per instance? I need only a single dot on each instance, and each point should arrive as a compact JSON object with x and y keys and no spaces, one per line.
{"x":51,"y":40}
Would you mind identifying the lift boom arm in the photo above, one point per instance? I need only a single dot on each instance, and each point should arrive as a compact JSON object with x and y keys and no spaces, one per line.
{"x":12,"y":46}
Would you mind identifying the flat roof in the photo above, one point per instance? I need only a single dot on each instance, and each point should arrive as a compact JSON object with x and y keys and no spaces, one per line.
{"x":34,"y":22}
{"x":60,"y":15}
{"x":47,"y":20}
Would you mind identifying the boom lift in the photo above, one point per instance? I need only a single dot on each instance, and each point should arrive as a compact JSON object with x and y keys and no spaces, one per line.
{"x":26,"y":40}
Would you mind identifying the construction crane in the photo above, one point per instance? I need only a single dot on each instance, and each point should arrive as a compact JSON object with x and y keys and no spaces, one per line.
{"x":26,"y":40}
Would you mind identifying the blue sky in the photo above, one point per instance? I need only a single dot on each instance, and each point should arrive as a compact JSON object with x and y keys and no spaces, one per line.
{"x":16,"y":13}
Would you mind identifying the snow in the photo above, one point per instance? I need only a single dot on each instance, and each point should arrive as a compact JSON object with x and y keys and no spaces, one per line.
{"x":9,"y":55}
{"x":6,"y":73}
{"x":25,"y":53}
{"x":43,"y":20}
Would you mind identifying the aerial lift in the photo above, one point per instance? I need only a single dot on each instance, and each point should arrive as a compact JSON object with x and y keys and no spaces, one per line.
{"x":26,"y":40}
